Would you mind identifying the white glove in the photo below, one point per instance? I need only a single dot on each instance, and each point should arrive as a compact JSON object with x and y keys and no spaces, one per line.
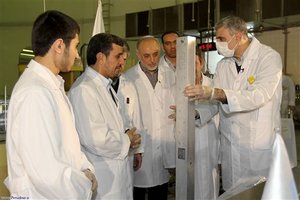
{"x":198,"y":92}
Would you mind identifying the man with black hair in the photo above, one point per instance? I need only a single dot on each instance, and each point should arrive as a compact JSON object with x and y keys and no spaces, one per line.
{"x":100,"y":126}
{"x":43,"y":150}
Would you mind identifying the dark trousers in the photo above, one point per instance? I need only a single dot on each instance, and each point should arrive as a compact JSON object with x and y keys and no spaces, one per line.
{"x":159,"y":192}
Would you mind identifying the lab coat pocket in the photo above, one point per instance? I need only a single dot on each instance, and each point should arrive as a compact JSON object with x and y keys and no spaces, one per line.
{"x":262,"y":134}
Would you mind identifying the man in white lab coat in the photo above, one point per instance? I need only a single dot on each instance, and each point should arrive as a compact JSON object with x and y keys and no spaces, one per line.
{"x":288,"y":97}
{"x":247,"y":83}
{"x":99,"y":122}
{"x":155,"y":95}
{"x":43,"y":149}
{"x":207,"y":140}
{"x":130,"y":110}
{"x":168,"y":40}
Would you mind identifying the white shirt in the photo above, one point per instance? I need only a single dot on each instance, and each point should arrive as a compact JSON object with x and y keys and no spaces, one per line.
{"x":43,"y":149}
{"x":131,"y":114}
{"x":102,"y":135}
{"x":206,"y":148}
{"x":159,"y":149}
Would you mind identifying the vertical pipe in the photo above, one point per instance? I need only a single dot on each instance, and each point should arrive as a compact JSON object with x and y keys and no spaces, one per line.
{"x":44,"y":3}
{"x":185,"y":118}
{"x":217,"y":11}
{"x":5,"y":108}
{"x":285,"y":32}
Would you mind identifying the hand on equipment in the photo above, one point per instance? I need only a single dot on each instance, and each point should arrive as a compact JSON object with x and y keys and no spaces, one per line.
{"x":137,"y":161}
{"x":135,"y":138}
{"x":173,"y":115}
{"x":90,"y":175}
{"x":198,"y":92}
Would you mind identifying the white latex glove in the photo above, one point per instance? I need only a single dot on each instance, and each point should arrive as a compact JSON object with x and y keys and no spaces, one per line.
{"x":198,"y":92}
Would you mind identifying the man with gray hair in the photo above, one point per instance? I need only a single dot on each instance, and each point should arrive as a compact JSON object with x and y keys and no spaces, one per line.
{"x":247,"y":84}
{"x":155,"y":96}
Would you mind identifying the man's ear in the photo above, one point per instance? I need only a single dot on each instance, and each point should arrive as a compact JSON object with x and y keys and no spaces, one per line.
{"x":239,"y":36}
{"x":100,"y":57}
{"x":58,"y":45}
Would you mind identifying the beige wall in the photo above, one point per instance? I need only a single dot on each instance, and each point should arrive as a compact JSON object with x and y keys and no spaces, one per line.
{"x":16,"y":19}
{"x":3,"y":171}
{"x":17,"y":16}
{"x":276,"y":39}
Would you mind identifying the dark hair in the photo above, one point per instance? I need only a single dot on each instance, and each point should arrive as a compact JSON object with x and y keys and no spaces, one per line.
{"x":126,"y":47}
{"x":50,"y":26}
{"x":166,"y":33}
{"x":101,"y":42}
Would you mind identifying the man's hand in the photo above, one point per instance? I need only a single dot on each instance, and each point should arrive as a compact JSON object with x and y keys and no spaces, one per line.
{"x":92,"y":178}
{"x":198,"y":92}
{"x":172,"y":171}
{"x":135,"y":138}
{"x":173,"y":115}
{"x":137,"y":161}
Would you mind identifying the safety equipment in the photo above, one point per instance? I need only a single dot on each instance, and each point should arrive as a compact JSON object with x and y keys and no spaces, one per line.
{"x":223,"y":49}
{"x":198,"y":92}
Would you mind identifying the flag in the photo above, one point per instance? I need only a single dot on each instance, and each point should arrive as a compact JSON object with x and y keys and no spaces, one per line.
{"x":99,"y":24}
{"x":280,"y":183}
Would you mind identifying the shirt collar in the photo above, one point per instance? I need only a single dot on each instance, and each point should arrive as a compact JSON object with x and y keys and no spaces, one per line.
{"x":57,"y":80}
{"x":170,"y":64}
{"x":104,"y":81}
{"x":241,"y":61}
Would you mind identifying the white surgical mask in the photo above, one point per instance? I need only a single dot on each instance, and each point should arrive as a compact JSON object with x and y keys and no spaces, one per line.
{"x":223,"y":49}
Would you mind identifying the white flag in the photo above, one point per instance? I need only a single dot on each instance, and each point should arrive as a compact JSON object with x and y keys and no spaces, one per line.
{"x":280,"y":183}
{"x":99,"y":24}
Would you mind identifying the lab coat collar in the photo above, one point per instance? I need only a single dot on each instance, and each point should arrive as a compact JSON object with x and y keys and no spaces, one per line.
{"x":99,"y":77}
{"x":55,"y":81}
{"x":245,"y":54}
{"x":252,"y":49}
{"x":169,"y":63}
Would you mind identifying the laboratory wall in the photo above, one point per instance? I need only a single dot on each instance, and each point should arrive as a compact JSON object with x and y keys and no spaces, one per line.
{"x":17,"y":16}
{"x":287,"y":43}
{"x":16,"y":19}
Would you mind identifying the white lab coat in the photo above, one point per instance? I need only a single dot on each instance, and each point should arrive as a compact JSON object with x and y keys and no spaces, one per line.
{"x":43,"y":149}
{"x":288,"y":95}
{"x":129,"y":108}
{"x":249,"y":120}
{"x":207,"y":142}
{"x":159,"y":149}
{"x":162,"y":61}
{"x":102,"y":134}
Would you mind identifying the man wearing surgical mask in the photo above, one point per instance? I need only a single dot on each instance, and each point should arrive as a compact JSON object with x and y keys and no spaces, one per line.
{"x":247,"y":84}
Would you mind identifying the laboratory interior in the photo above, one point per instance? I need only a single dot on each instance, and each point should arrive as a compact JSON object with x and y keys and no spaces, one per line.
{"x":275,"y":23}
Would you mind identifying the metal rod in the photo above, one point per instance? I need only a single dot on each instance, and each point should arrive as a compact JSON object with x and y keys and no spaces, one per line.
{"x":185,"y":118}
